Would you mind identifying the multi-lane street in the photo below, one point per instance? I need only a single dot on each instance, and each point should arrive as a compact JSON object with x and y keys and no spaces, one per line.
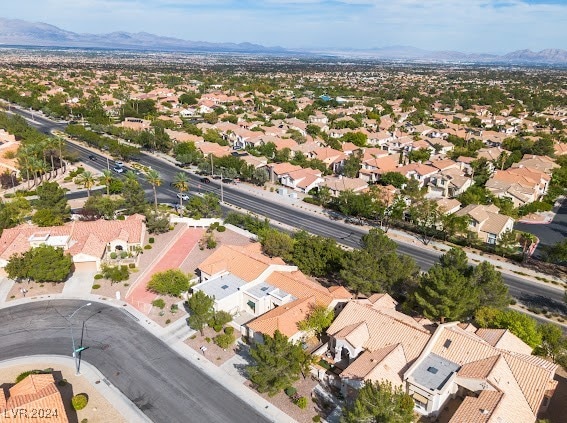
{"x":161,"y":383}
{"x":524,"y":290}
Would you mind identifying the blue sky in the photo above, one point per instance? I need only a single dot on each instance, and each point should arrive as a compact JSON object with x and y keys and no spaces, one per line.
{"x":491,"y":26}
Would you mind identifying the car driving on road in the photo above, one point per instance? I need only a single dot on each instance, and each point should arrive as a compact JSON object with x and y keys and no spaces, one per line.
{"x":205,"y":180}
{"x":118,"y":169}
{"x":92,"y":157}
{"x":184,"y":197}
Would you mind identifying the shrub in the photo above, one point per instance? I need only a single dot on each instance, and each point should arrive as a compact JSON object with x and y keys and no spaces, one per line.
{"x":224,"y":341}
{"x":290,"y":391}
{"x":147,"y":247}
{"x":116,"y":273}
{"x":79,"y":401}
{"x":123,"y":254}
{"x":207,"y":339}
{"x":98,"y":276}
{"x":121,"y":217}
{"x":132,"y":265}
{"x":151,"y":240}
{"x":174,"y":308}
{"x":220,"y":318}
{"x":221,"y":229}
{"x":168,"y":321}
{"x":85,"y":421}
{"x":301,"y":402}
{"x":159,"y":303}
{"x":113,"y":255}
{"x":171,"y":282}
{"x":211,"y":243}
{"x":316,"y":418}
{"x":229,"y":330}
{"x":96,"y":286}
{"x":62,"y":382}
{"x":217,"y":328}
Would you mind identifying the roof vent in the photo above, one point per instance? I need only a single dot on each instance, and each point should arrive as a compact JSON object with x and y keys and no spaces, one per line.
{"x":224,"y":287}
{"x":484,"y":411}
{"x":447,"y":343}
{"x":432,"y":370}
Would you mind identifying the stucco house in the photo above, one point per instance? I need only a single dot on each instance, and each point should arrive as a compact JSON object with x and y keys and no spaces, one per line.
{"x":486,"y":222}
{"x":485,"y":375}
{"x":86,"y":242}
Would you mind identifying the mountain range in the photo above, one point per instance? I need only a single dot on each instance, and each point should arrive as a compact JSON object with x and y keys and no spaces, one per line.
{"x":23,"y":33}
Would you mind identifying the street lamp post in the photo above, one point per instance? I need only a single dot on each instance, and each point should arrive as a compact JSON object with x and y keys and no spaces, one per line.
{"x":76,"y":351}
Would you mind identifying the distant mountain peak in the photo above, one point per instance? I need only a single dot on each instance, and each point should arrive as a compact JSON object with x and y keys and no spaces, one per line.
{"x":20,"y":32}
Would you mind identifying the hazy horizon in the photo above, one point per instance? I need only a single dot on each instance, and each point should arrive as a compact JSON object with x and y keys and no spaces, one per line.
{"x":472,"y":26}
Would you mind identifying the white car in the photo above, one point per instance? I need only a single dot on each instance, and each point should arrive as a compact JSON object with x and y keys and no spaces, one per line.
{"x":184,"y":197}
{"x":119,"y":164}
{"x":118,"y":169}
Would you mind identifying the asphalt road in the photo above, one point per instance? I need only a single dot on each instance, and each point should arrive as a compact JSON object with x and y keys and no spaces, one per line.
{"x":165,"y":386}
{"x":526,"y":291}
{"x":551,"y":233}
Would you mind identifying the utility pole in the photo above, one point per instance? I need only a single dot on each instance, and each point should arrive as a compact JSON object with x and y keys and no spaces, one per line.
{"x":76,"y":351}
{"x":221,"y":189}
{"x":212,"y":170}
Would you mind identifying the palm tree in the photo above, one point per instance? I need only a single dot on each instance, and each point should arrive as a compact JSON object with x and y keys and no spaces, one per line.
{"x":131,"y":176}
{"x":24,"y":161}
{"x":87,"y":180}
{"x":182,"y":184}
{"x":155,"y":181}
{"x":107,"y":178}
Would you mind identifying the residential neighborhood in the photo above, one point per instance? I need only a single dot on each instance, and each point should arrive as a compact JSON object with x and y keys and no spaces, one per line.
{"x":301,"y":238}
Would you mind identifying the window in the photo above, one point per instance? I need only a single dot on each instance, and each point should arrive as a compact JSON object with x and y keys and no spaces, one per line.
{"x":491,"y":239}
{"x":252,"y":305}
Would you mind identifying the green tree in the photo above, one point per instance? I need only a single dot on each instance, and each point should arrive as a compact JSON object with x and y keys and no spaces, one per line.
{"x":557,"y":253}
{"x":207,"y":206}
{"x":553,"y":342}
{"x":520,"y":324}
{"x":352,"y":165}
{"x":277,"y":363}
{"x":201,"y":310}
{"x":318,"y":319}
{"x":316,"y":255}
{"x":87,"y":180}
{"x":488,"y":282}
{"x":41,"y":264}
{"x":395,"y":179}
{"x":106,"y":178}
{"x":277,"y":244}
{"x":181,"y":183}
{"x":421,"y":155}
{"x":379,"y":402}
{"x":98,"y":206}
{"x":171,"y":282}
{"x":134,"y":196}
{"x":508,"y":242}
{"x":157,"y":223}
{"x":154,"y":179}
{"x":53,"y":205}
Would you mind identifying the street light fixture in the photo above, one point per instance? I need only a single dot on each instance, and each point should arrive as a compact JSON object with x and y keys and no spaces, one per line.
{"x":76,"y":351}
